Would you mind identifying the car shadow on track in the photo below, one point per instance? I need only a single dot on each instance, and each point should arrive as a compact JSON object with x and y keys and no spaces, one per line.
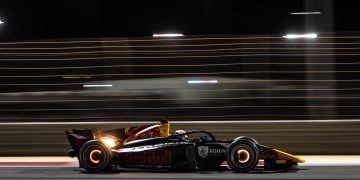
{"x":115,"y":170}
{"x":263,"y":171}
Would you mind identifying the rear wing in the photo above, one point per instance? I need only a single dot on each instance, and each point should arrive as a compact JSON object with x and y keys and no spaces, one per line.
{"x":77,"y":138}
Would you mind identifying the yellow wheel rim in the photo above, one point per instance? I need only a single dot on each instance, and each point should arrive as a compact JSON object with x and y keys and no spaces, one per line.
{"x":91,"y":156}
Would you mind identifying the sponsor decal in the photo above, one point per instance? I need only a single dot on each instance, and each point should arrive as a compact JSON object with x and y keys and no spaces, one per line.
{"x":149,"y":158}
{"x":137,"y":134}
{"x":203,"y":151}
{"x":152,"y":133}
{"x":217,"y":151}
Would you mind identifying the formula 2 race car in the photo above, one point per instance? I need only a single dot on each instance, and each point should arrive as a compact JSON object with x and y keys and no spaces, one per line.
{"x":152,"y":146}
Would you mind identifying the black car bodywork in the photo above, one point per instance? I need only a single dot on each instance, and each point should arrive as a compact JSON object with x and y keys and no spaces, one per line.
{"x":175,"y":151}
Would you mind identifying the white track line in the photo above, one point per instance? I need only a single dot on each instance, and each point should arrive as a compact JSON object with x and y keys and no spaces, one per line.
{"x":181,"y":122}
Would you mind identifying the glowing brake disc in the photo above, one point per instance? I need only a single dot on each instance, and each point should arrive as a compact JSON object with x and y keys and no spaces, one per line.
{"x":243,"y":155}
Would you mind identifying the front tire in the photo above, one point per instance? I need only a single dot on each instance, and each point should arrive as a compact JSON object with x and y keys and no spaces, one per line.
{"x":95,"y":156}
{"x":246,"y":138}
{"x":242,"y":155}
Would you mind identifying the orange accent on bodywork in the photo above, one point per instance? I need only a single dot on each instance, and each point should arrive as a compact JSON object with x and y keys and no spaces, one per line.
{"x":165,"y":129}
{"x":280,"y":161}
{"x":286,"y":156}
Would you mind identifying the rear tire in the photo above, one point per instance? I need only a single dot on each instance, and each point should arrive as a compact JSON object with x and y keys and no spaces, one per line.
{"x":94,"y":156}
{"x":242,"y":155}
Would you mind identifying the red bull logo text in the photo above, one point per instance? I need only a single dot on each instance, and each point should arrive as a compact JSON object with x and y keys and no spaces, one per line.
{"x":149,"y":158}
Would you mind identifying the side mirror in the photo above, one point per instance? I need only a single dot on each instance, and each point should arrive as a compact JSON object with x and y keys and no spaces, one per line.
{"x":203,"y":138}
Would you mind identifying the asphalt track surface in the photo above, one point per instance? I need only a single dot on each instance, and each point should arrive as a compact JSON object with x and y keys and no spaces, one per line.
{"x":301,"y":172}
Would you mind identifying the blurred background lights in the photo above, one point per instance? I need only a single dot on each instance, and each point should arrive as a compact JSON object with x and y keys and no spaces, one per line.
{"x":168,"y":35}
{"x":202,"y":81}
{"x":306,"y":13}
{"x":296,"y":36}
{"x":97,"y":85}
{"x":76,"y":77}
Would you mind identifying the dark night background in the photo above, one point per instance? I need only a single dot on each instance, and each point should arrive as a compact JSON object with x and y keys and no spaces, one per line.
{"x":51,"y":49}
{"x":44,"y":19}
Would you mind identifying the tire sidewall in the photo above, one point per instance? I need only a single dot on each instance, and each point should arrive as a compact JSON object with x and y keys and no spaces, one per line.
{"x":84,"y":153}
{"x":246,"y":138}
{"x":253,"y":151}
